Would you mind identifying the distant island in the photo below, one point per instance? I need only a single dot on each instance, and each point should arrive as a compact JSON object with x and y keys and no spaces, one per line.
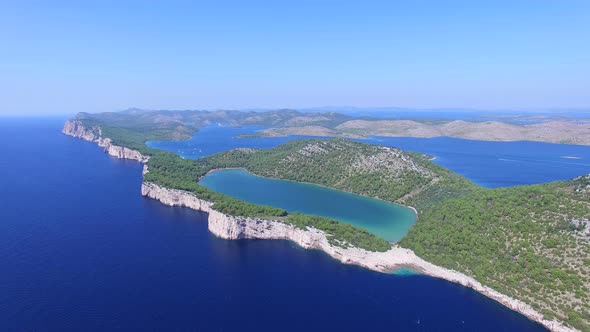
{"x":175,"y":125}
{"x":551,"y":132}
{"x":527,"y":247}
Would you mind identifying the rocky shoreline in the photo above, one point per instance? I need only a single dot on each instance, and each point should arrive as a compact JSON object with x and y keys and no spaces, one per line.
{"x":76,"y":129}
{"x":232,"y":227}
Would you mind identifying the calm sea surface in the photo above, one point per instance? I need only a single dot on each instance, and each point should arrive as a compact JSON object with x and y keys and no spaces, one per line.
{"x":81,"y":250}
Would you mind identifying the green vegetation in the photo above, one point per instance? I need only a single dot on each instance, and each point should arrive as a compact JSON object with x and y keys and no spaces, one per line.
{"x":375,"y":171}
{"x":133,"y":133}
{"x":520,"y":241}
{"x":133,"y":127}
{"x":171,"y":171}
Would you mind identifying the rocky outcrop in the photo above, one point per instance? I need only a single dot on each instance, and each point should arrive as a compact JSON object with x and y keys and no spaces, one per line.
{"x":75,"y":128}
{"x":121,"y":152}
{"x":173,"y":197}
{"x":232,"y":228}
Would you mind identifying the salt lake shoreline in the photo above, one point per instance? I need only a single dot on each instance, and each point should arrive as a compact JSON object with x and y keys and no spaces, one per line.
{"x":232,"y":227}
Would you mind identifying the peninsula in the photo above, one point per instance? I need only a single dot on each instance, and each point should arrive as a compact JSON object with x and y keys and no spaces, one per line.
{"x":525,"y":247}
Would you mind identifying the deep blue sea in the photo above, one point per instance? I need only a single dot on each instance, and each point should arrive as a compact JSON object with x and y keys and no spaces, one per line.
{"x":81,"y":250}
{"x":489,"y":164}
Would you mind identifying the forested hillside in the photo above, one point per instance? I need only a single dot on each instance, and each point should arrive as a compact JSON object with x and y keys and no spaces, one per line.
{"x":376,"y":171}
{"x":529,"y":242}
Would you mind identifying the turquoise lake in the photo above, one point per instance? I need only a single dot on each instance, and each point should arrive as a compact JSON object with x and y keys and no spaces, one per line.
{"x":387,"y":220}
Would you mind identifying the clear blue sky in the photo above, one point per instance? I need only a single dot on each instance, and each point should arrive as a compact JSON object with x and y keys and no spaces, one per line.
{"x":64,"y":57}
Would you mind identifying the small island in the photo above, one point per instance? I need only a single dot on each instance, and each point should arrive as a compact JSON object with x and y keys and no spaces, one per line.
{"x":526,"y":247}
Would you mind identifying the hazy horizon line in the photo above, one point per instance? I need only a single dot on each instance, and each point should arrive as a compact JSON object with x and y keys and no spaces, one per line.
{"x":336,"y":109}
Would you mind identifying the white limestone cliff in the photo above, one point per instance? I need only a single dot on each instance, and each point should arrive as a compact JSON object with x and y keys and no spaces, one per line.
{"x":76,"y":129}
{"x":232,"y":227}
{"x":174,"y":197}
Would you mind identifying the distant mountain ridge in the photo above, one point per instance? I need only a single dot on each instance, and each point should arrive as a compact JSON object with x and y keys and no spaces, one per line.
{"x":177,"y":125}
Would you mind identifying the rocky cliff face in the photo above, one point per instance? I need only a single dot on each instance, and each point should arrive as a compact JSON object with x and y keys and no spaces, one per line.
{"x":232,"y":227}
{"x":173,"y":197}
{"x":76,"y":129}
{"x":121,"y":152}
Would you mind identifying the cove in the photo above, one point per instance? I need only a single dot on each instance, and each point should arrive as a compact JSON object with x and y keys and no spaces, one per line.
{"x":387,"y":220}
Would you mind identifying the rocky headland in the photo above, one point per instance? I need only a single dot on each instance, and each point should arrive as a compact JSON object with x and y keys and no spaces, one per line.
{"x":235,"y":227}
{"x":77,"y":129}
